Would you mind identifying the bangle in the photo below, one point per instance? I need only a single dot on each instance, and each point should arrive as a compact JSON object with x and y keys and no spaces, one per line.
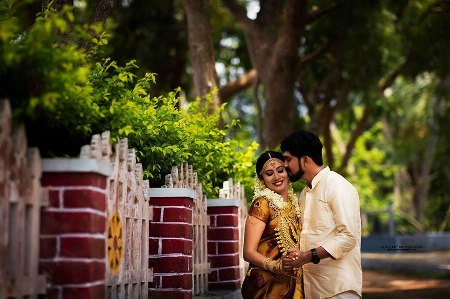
{"x":272,"y":266}
{"x":266,"y":263}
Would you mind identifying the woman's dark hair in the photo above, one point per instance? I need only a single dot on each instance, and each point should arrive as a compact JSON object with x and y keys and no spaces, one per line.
{"x":303,"y":143}
{"x":264,"y":157}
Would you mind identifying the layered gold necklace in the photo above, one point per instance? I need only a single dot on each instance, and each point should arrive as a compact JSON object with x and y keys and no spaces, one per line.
{"x":289,"y":227}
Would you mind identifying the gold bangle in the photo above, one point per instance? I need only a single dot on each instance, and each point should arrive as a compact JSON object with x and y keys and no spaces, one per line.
{"x":276,"y":267}
{"x":266,"y":263}
{"x":272,"y":266}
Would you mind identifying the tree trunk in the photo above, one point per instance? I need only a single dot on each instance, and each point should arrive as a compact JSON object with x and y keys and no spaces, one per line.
{"x":101,"y":13}
{"x":273,"y":48}
{"x":201,"y":50}
{"x":280,"y":110}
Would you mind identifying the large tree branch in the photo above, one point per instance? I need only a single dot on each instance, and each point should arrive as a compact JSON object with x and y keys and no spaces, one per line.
{"x":240,"y":84}
{"x":360,"y":127}
{"x":308,"y":57}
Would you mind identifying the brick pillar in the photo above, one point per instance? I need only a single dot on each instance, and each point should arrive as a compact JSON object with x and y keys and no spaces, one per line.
{"x":224,"y":244}
{"x":72,"y":234}
{"x":170,"y":243}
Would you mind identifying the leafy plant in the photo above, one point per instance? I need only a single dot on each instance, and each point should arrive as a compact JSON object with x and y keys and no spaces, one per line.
{"x":70,"y":94}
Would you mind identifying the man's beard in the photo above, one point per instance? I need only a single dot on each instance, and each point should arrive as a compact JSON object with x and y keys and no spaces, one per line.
{"x":294,"y":177}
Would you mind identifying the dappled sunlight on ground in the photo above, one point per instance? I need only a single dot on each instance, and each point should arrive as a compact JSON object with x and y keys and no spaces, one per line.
{"x":387,"y":286}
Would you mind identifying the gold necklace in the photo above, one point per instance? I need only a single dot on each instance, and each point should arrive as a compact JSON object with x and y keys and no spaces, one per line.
{"x":289,"y":227}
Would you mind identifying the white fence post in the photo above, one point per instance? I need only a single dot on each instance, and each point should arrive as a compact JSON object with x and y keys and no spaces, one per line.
{"x":236,"y":191}
{"x":21,"y":197}
{"x":183,"y":176}
{"x":128,"y":214}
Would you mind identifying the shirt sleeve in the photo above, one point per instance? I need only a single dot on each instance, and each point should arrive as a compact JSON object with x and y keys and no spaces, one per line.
{"x":260,"y":209}
{"x":344,"y":202}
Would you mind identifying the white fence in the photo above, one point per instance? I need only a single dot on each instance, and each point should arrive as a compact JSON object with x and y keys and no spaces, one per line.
{"x":183,"y":176}
{"x":21,"y":197}
{"x":236,"y":191}
{"x":128,"y":214}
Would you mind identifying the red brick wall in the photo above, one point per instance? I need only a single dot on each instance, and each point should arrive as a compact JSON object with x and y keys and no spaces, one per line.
{"x":72,"y":251}
{"x":170,"y":243}
{"x":223,"y":244}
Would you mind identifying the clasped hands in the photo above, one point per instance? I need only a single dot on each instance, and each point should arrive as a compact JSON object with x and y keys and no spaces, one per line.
{"x":295,"y":259}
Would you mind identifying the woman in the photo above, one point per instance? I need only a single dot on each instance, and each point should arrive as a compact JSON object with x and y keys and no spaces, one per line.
{"x":272,"y":227}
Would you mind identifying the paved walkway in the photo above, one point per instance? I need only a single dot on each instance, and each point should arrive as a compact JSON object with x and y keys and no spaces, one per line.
{"x":432,"y":262}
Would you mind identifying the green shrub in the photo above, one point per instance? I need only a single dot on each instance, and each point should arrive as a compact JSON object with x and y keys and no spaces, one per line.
{"x":65,"y":95}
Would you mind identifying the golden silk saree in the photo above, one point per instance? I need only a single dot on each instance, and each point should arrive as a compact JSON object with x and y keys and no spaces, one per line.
{"x":261,"y":283}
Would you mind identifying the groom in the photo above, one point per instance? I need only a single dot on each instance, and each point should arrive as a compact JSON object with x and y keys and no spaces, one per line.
{"x":330,"y":241}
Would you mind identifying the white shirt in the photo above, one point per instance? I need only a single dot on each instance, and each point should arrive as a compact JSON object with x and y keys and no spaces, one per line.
{"x":331,"y":219}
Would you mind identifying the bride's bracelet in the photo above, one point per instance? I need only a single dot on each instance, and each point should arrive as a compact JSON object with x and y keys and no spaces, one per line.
{"x":272,"y":266}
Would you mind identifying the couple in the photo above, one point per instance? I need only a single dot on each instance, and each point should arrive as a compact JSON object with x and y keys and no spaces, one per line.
{"x":307,"y":247}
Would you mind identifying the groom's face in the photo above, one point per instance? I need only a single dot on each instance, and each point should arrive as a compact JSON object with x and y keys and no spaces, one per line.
{"x":293,"y":167}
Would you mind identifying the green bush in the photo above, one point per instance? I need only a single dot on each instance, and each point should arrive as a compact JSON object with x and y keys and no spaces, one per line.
{"x":64,"y":95}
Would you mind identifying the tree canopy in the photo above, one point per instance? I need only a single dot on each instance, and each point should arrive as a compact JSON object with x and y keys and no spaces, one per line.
{"x":371,"y":78}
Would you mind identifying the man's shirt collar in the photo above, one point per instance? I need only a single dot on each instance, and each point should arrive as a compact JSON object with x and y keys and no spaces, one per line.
{"x":319,"y":176}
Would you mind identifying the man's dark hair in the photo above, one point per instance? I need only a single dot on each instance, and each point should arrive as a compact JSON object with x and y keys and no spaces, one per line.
{"x":303,"y":143}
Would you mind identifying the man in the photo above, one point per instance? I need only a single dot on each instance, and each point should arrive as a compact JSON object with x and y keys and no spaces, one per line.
{"x":330,"y":241}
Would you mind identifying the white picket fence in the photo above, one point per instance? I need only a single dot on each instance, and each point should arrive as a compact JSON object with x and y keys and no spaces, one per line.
{"x":128,"y":214}
{"x":183,"y":176}
{"x":236,"y":191}
{"x":21,"y":198}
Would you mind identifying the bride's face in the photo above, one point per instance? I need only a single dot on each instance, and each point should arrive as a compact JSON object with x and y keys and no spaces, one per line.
{"x":276,"y":178}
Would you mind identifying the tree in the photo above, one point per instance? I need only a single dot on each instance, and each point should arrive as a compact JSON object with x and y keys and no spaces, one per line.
{"x":275,"y":58}
{"x":98,"y":17}
{"x":201,"y":50}
{"x":79,"y":95}
{"x":154,"y":33}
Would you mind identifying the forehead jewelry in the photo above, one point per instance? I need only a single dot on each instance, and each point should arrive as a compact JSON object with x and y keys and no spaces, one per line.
{"x":270,"y":162}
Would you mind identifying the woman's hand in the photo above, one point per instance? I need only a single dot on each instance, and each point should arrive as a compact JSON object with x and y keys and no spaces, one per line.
{"x":290,"y":261}
{"x":295,"y":259}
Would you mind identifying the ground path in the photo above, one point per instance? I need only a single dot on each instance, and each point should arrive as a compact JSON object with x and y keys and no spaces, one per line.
{"x":384,"y":285}
{"x":406,"y":275}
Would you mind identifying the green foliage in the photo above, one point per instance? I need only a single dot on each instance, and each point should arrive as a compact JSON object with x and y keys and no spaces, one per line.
{"x":164,"y":135}
{"x":373,"y":173}
{"x":371,"y":170}
{"x":409,"y":109}
{"x":41,"y":72}
{"x":70,"y":95}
